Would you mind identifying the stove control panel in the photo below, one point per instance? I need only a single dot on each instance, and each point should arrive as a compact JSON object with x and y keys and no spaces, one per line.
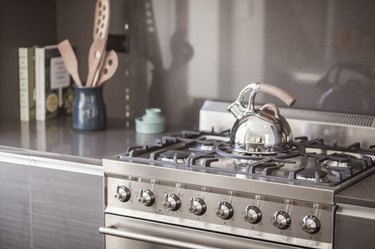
{"x":261,"y":217}
{"x":146,"y":197}
{"x":281,"y":220}
{"x":172,"y":202}
{"x":310,"y":224}
{"x":197,"y":206}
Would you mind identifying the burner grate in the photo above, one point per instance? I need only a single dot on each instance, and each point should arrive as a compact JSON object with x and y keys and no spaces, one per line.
{"x":308,"y":162}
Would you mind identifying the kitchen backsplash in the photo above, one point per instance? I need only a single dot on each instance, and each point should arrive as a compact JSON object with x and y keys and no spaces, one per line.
{"x":183,"y":52}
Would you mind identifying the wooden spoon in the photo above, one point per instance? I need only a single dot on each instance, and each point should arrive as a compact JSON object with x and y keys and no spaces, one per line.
{"x":96,"y":53}
{"x":109,"y":68}
{"x":70,"y":60}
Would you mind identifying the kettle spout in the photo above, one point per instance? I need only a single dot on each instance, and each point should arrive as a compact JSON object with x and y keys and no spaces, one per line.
{"x":236,"y":110}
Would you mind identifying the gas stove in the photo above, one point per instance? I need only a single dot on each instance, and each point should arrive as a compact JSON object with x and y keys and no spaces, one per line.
{"x":194,"y":180}
{"x":309,"y":163}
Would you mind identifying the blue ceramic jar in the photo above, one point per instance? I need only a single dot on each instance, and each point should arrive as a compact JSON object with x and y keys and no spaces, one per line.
{"x":89,"y":111}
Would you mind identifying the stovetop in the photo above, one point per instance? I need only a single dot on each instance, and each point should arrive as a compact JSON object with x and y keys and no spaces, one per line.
{"x":310,"y":162}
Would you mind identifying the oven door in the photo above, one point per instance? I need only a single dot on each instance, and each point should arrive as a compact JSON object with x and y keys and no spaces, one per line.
{"x":125,"y":232}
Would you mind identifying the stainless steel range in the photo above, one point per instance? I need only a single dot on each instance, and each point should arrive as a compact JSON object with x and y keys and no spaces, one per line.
{"x":192,"y":190}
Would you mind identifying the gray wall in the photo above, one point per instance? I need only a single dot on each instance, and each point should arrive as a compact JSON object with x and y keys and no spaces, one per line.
{"x":185,"y":51}
{"x":22,"y":23}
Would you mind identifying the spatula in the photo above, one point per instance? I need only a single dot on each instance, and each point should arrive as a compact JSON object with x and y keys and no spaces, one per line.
{"x":96,"y":53}
{"x":70,"y":60}
{"x":109,"y":68}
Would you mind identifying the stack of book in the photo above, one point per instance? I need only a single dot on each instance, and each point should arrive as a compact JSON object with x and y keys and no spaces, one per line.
{"x":44,"y":83}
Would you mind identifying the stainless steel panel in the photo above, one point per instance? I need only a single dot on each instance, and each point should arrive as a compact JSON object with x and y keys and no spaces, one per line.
{"x":361,"y":194}
{"x":209,"y":221}
{"x":288,"y":191}
{"x":354,"y":227}
{"x":345,"y":129}
{"x":155,"y":234}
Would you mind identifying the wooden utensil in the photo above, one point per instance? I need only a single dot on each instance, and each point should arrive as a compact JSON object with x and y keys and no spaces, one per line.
{"x":101,"y":28}
{"x":109,"y":68}
{"x":101,"y":21}
{"x":96,"y":53}
{"x":70,"y":60}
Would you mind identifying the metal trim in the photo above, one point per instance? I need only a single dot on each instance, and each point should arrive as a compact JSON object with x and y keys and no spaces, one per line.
{"x":48,"y":163}
{"x":356,"y":211}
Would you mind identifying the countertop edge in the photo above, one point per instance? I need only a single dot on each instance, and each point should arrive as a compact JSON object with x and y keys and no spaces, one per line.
{"x":50,"y":160}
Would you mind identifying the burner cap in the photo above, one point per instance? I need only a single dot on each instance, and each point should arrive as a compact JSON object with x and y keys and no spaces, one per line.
{"x":171,"y":155}
{"x":339,"y":160}
{"x":311,"y":175}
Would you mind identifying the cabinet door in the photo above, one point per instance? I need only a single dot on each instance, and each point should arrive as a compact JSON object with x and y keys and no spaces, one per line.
{"x":14,"y":206}
{"x":355,"y":228}
{"x":67,"y":209}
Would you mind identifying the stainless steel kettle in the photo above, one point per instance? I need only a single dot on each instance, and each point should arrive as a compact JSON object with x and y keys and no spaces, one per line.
{"x":261,"y":130}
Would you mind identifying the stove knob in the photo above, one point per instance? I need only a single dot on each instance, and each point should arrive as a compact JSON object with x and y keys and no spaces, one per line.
{"x":224,"y":210}
{"x":281,"y":220}
{"x":310,"y":224}
{"x":172,"y":202}
{"x":197,"y":206}
{"x":146,"y":197}
{"x":253,"y":214}
{"x":123,"y":193}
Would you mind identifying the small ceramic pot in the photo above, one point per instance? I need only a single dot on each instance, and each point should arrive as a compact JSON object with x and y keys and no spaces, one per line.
{"x":89,"y":111}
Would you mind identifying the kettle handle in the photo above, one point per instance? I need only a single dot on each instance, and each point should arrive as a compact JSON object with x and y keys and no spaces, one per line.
{"x":277,"y":92}
{"x":238,"y":108}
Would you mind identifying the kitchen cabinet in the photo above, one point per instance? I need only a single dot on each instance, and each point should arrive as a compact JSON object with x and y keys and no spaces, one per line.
{"x":355,"y":217}
{"x":49,"y":208}
{"x":15,"y":203}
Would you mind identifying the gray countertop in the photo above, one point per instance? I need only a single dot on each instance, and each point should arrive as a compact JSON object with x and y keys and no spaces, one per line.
{"x":56,"y":138}
{"x":360,"y":194}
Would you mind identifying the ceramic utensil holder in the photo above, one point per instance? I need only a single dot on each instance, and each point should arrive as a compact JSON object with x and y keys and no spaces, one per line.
{"x":89,"y":111}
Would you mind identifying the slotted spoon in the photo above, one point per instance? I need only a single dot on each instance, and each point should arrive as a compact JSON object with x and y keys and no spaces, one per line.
{"x":101,"y":28}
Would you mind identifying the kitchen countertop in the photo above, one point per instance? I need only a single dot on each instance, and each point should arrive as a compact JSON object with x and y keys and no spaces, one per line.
{"x":360,"y":194}
{"x":55,"y":138}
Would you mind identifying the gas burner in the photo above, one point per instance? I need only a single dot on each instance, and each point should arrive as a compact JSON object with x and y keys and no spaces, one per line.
{"x":203,"y":146}
{"x":174,"y":156}
{"x":339,"y":160}
{"x":313,"y":175}
{"x":206,"y":147}
{"x":224,"y":150}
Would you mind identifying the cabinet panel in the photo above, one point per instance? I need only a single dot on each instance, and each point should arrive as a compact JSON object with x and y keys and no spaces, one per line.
{"x":67,"y":209}
{"x":355,"y":232}
{"x":14,"y":206}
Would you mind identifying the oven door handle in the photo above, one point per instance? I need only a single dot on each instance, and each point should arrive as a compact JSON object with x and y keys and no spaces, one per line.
{"x":150,"y":238}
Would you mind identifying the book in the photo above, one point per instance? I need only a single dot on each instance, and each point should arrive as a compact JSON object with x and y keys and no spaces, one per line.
{"x":26,"y":63}
{"x":52,"y":83}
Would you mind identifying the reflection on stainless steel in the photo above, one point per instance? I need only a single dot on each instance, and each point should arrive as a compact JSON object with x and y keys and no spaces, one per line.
{"x":263,"y":130}
{"x":347,"y":80}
